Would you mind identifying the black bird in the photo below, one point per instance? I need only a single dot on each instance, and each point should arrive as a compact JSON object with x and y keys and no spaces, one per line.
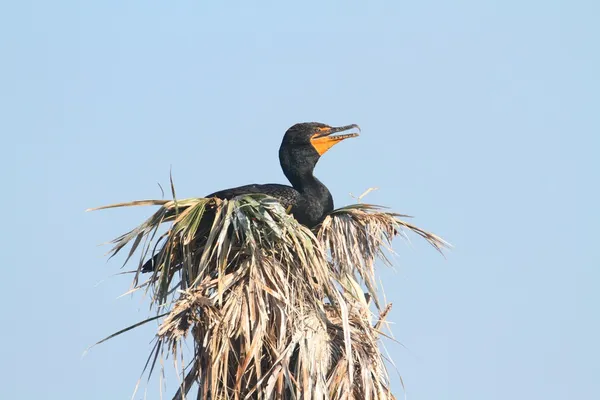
{"x":308,"y":200}
{"x":302,"y":146}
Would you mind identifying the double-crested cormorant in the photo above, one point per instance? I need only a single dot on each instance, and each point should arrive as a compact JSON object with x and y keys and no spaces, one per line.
{"x":301,"y":148}
{"x":308,"y":200}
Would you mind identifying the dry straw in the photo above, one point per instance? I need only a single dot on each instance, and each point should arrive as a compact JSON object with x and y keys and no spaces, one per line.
{"x":273,"y":309}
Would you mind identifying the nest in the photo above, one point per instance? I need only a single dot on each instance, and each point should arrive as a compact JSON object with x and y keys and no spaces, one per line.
{"x":274,"y":310}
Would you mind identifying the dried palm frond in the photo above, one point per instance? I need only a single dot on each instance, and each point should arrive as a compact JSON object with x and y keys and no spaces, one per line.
{"x":274,"y":310}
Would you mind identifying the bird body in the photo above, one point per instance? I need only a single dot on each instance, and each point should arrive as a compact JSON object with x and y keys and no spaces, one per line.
{"x":308,"y":199}
{"x":308,"y":208}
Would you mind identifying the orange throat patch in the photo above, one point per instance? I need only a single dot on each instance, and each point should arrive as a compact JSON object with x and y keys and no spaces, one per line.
{"x":324,"y":143}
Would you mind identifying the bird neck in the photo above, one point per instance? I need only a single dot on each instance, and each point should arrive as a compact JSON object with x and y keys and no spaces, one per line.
{"x":306,"y":183}
{"x":299,"y":171}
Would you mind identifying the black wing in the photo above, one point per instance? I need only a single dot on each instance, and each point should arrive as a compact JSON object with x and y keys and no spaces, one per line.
{"x":287,"y":195}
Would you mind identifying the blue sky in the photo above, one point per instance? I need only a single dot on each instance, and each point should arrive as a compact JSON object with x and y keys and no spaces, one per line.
{"x":480,"y":118}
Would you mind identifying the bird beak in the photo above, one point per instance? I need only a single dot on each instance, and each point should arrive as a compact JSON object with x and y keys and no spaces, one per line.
{"x":323,"y":140}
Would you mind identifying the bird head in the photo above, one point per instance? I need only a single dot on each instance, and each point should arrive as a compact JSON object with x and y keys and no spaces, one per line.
{"x":315,"y":137}
{"x":304,"y":143}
